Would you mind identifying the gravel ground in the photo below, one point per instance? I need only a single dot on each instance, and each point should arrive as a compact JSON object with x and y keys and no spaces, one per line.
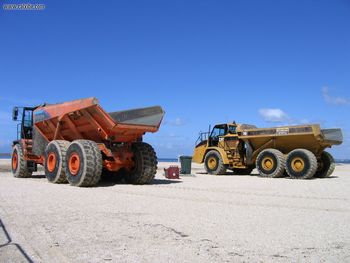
{"x":198,"y":218}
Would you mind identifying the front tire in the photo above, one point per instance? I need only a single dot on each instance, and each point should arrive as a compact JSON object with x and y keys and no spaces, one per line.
{"x":18,"y":163}
{"x":55,"y":161}
{"x":83,"y":163}
{"x":214,"y":164}
{"x":301,"y":164}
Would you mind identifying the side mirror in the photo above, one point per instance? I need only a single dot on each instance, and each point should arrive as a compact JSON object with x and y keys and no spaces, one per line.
{"x":15,"y":114}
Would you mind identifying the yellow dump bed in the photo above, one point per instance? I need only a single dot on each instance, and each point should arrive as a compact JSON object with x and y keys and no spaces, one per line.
{"x":288,"y":138}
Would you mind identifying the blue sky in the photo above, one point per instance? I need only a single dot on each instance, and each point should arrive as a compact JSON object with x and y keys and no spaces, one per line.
{"x":262,"y":62}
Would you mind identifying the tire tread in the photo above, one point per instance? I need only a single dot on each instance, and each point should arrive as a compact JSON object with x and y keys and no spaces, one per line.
{"x":313,"y":165}
{"x":281,"y":163}
{"x":148,"y":161}
{"x":93,"y":163}
{"x":23,"y":169}
{"x":221,"y":169}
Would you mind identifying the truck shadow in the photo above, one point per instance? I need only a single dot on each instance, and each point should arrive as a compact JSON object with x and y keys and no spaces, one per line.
{"x":257,"y":175}
{"x":108,"y":182}
{"x":229,"y":174}
{"x":37,"y":176}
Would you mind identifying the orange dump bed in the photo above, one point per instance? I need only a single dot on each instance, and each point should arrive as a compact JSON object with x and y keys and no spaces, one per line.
{"x":85,"y":119}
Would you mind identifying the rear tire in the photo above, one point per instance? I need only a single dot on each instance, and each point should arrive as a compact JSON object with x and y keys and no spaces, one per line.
{"x":213,"y":163}
{"x":83,"y":163}
{"x":55,"y":161}
{"x":301,"y":164}
{"x":326,"y":166}
{"x":271,"y":163}
{"x":18,"y":164}
{"x":146,"y":162}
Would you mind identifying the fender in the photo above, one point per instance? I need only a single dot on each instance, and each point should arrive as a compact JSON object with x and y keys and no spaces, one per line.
{"x":201,"y":151}
{"x":222,"y":153}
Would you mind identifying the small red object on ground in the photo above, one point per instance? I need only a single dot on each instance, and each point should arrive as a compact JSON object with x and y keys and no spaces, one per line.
{"x":172,"y":172}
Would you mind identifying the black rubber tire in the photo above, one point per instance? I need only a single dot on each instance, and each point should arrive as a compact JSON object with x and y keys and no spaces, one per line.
{"x":310,"y":164}
{"x":90,"y":167}
{"x":146,"y":161}
{"x":220,"y":167}
{"x":326,"y":166}
{"x":21,"y":170}
{"x":279,"y":163}
{"x":245,"y":171}
{"x":59,"y":149}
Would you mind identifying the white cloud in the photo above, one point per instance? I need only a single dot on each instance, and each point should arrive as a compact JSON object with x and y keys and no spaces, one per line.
{"x":177,"y":122}
{"x":333,"y":100}
{"x":273,"y":115}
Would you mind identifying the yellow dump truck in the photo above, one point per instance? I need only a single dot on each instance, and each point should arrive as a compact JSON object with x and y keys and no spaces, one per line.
{"x":297,"y":151}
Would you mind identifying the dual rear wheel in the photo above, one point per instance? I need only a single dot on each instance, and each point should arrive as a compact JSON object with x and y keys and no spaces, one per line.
{"x":80,"y":163}
{"x":298,"y":164}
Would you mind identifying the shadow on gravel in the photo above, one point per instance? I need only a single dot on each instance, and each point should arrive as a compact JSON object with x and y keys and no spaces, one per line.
{"x":38,"y":176}
{"x":10,"y":243}
{"x":228,"y":174}
{"x":165,"y":181}
{"x":108,"y":182}
{"x":257,"y":175}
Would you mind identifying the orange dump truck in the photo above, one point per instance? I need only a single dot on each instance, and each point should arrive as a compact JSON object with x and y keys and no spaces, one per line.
{"x":77,"y":141}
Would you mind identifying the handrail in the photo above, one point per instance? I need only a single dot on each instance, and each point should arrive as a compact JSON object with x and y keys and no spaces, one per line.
{"x":202,"y":137}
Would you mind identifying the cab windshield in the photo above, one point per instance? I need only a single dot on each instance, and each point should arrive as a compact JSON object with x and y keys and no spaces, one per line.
{"x":218,"y":131}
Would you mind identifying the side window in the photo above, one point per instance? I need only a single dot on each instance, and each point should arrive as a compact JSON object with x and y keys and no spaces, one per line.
{"x":27,"y":118}
{"x":218,"y":131}
{"x":232,"y":129}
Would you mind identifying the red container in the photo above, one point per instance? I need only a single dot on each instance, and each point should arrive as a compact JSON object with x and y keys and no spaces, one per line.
{"x":172,"y":172}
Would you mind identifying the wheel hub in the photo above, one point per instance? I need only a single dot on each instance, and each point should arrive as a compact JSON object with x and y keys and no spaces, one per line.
{"x":212,"y":163}
{"x":268,"y":163}
{"x":298,"y":164}
{"x":74,"y":164}
{"x":14,"y":161}
{"x":51,"y":162}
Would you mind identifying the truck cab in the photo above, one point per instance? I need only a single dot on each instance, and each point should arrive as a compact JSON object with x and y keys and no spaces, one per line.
{"x":221,"y":149}
{"x":22,"y":162}
{"x":25,"y":126}
{"x":220,"y":132}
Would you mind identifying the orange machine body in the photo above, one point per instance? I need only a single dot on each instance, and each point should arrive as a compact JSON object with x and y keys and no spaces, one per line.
{"x":85,"y":119}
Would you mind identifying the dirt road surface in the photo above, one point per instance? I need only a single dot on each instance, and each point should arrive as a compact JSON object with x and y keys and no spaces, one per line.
{"x":199,"y":218}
